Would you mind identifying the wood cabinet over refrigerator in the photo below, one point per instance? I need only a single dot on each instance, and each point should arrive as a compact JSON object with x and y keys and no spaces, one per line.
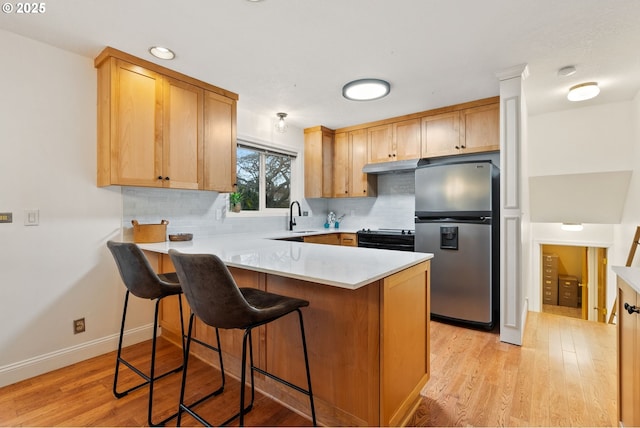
{"x":159,"y":128}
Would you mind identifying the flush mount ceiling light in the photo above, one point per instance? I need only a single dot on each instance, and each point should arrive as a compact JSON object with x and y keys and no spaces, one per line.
{"x":366,"y":89}
{"x":161,"y":52}
{"x":571,"y":227}
{"x":583,"y":91}
{"x":281,"y":125}
{"x":569,"y":70}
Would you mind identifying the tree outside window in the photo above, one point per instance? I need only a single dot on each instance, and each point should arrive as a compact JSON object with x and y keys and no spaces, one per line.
{"x":264,"y":179}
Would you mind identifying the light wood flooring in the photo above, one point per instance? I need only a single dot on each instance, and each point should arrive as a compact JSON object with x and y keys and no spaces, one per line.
{"x":563,"y":375}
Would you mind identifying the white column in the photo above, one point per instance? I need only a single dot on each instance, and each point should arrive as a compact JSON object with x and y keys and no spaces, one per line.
{"x":513,"y":221}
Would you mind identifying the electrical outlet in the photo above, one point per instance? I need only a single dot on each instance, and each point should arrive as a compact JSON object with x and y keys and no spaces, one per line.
{"x":78,"y":326}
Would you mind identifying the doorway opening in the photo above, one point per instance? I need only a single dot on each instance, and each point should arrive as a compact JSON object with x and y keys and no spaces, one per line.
{"x":574,"y":281}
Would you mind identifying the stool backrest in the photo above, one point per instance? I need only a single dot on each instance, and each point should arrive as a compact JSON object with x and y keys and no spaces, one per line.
{"x":211,"y":291}
{"x":136,"y":272}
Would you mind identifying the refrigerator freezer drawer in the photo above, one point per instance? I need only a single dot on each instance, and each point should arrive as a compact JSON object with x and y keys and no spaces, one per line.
{"x":461,"y":285}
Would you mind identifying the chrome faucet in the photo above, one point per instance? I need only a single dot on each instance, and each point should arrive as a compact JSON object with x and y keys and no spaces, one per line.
{"x":292,"y":221}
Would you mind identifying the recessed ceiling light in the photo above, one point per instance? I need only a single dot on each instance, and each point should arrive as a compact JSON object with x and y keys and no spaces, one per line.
{"x":366,"y":89}
{"x":161,"y":52}
{"x":583,"y":91}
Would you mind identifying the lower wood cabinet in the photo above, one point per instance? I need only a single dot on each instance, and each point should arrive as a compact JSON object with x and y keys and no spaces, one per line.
{"x":346,"y":239}
{"x":628,"y":325}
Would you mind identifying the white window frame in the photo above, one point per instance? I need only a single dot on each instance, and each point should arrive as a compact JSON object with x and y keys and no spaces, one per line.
{"x":296,"y":177}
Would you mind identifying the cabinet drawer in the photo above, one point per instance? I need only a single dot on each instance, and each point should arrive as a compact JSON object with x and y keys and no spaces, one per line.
{"x":566,"y":298}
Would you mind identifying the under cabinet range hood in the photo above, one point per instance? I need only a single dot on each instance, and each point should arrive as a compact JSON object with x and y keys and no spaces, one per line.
{"x":390,"y":167}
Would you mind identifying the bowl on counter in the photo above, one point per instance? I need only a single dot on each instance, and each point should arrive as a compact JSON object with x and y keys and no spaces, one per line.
{"x":181,"y":237}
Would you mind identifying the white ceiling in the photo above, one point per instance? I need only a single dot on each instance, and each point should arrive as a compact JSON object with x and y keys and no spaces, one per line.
{"x":294,"y":56}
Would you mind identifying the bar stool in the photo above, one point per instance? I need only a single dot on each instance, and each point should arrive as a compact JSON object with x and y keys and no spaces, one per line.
{"x":142,"y":281}
{"x":215,"y":298}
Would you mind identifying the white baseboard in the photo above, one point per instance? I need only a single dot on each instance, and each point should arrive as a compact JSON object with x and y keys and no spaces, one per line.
{"x":44,"y":363}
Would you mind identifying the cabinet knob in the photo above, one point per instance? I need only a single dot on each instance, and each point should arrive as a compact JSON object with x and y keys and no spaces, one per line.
{"x":389,"y":154}
{"x":159,"y":177}
{"x":631,"y":309}
{"x":464,"y":147}
{"x":167,"y":178}
{"x":457,"y":147}
{"x":394,"y":155}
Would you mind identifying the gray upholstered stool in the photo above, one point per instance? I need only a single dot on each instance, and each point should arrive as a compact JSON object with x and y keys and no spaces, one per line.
{"x":141,"y":281}
{"x":215,"y":298}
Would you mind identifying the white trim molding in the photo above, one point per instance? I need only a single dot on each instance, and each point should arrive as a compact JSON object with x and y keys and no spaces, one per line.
{"x":40,"y":364}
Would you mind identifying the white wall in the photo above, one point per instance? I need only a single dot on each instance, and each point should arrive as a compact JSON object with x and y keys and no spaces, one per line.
{"x":60,"y":270}
{"x":631,"y":216}
{"x":586,"y":140}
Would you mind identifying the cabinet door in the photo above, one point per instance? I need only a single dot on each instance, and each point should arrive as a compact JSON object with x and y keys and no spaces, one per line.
{"x":341,"y":165}
{"x":481,"y":128}
{"x":407,"y":139}
{"x":318,"y":163}
{"x":136,"y":143}
{"x":360,"y":183}
{"x":628,"y":351}
{"x":182,"y":135}
{"x":380,"y":144}
{"x":441,"y":134}
{"x":219,"y":143}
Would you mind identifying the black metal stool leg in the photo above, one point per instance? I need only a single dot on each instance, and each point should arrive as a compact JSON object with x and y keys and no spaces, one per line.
{"x":189,"y":408}
{"x":306,"y":363}
{"x":118,"y":356}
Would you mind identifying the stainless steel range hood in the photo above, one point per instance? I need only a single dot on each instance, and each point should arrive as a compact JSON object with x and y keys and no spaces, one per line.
{"x":390,"y":167}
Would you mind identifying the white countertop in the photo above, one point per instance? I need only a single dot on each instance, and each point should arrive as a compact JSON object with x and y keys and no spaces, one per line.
{"x":339,"y":266}
{"x":630,"y":275}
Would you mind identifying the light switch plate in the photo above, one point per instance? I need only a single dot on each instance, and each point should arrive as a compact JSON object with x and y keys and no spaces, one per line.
{"x":6,"y":217}
{"x":31,"y":217}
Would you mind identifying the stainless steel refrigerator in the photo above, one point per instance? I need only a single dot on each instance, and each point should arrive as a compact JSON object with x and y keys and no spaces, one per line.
{"x":457,"y":220}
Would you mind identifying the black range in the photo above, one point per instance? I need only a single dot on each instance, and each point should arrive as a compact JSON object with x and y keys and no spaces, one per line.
{"x":387,"y":239}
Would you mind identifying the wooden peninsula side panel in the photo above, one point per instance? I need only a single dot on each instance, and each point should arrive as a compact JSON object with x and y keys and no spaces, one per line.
{"x":368,"y":348}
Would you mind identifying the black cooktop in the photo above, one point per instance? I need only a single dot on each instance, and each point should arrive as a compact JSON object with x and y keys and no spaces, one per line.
{"x":387,"y":231}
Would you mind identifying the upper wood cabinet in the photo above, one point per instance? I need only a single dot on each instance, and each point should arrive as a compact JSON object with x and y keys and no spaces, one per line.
{"x":350,"y":155}
{"x":159,"y":128}
{"x":380,"y":144}
{"x":318,"y":162}
{"x":407,"y":139}
{"x":441,"y":134}
{"x":395,"y":141}
{"x":181,"y":136}
{"x":219,"y":143}
{"x":481,"y":128}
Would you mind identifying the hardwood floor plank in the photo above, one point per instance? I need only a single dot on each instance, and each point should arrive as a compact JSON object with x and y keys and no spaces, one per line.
{"x":541,"y":383}
{"x":564,"y":374}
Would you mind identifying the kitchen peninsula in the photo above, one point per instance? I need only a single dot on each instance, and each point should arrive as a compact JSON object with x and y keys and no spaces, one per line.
{"x":367,"y":324}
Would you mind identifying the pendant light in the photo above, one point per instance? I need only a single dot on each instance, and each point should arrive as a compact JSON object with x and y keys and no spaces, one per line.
{"x":281,"y":125}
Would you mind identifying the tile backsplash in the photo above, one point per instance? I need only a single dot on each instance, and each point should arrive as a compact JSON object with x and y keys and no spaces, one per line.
{"x":204,"y":213}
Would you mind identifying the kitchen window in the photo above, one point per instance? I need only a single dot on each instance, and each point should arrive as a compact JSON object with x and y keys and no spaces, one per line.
{"x":264,"y":178}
